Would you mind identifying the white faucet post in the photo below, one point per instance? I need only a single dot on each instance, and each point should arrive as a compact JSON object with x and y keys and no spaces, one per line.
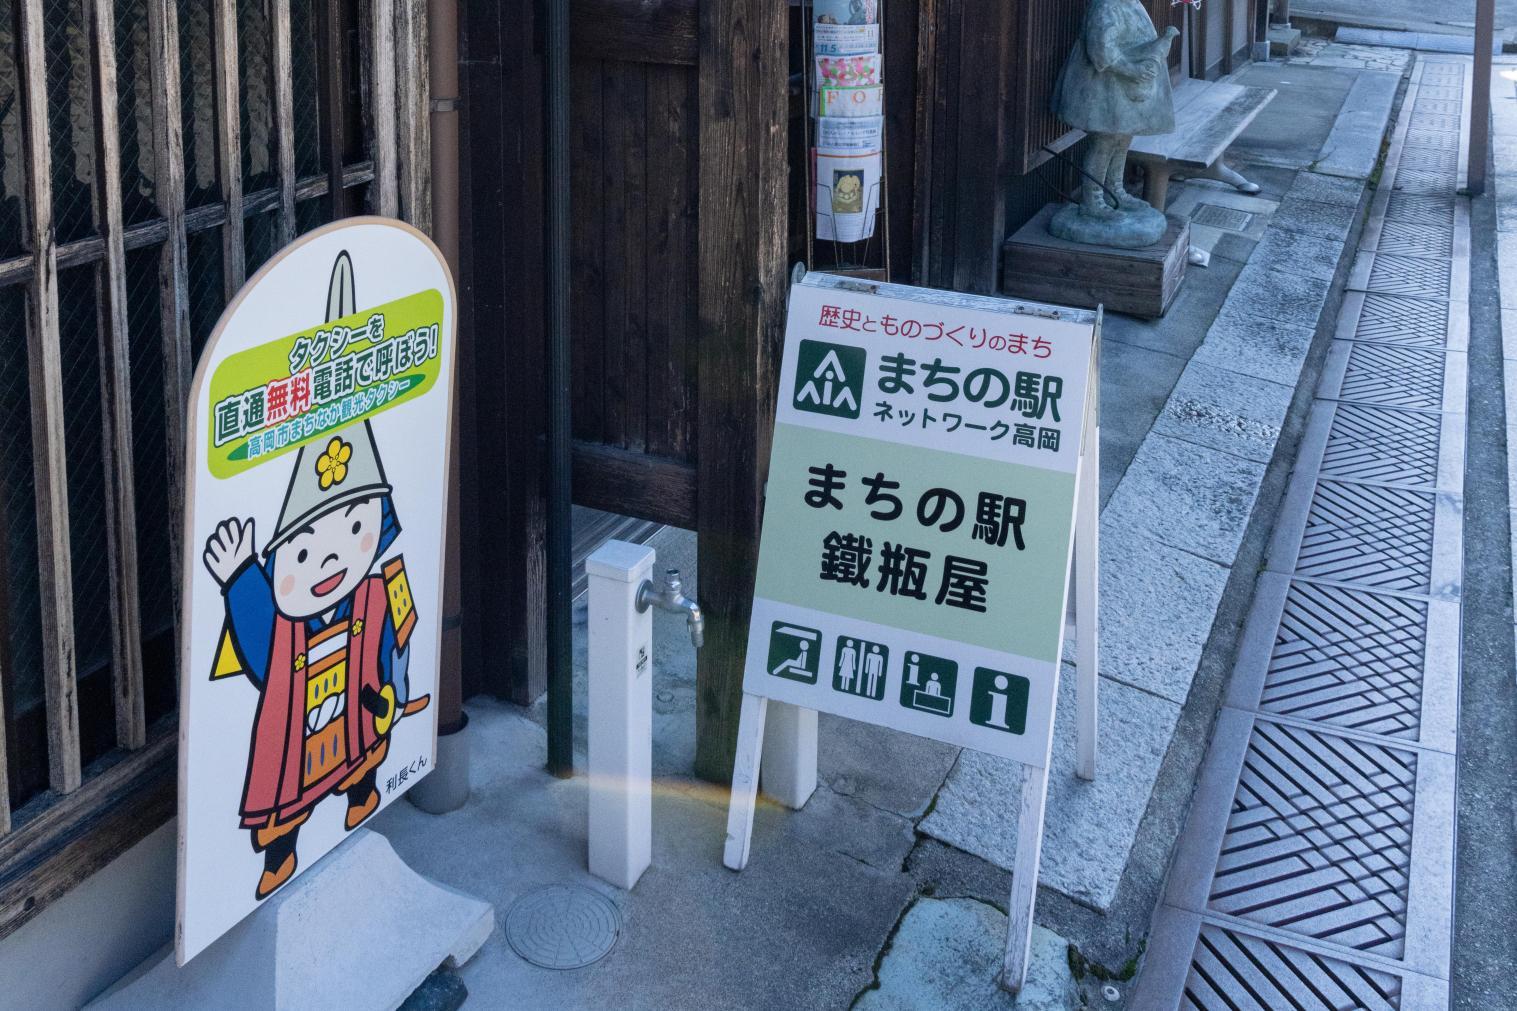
{"x":621,"y":714}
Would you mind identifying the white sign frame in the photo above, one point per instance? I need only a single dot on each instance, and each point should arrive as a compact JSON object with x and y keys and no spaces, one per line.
{"x":792,"y":768}
{"x":382,"y":256}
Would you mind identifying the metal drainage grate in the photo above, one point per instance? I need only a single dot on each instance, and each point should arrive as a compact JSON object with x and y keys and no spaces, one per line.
{"x":1403,"y":239}
{"x":1393,"y":319}
{"x":1319,"y":841}
{"x":1229,"y":219}
{"x":1397,"y":376}
{"x":1384,"y":446}
{"x":1232,"y":969}
{"x":563,"y":926}
{"x":1410,"y":275}
{"x":1350,"y":659}
{"x":1366,"y":534}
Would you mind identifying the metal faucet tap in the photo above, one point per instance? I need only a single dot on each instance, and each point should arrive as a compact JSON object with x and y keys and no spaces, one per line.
{"x":670,"y":597}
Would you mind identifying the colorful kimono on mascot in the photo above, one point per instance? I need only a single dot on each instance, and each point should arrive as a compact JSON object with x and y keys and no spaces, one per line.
{"x":323,"y":639}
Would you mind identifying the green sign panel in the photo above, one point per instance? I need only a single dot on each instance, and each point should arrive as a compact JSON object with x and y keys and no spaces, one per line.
{"x":919,"y":513}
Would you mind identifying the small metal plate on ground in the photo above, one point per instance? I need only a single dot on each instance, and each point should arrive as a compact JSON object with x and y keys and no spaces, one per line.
{"x":563,"y":926}
{"x":1228,"y":219}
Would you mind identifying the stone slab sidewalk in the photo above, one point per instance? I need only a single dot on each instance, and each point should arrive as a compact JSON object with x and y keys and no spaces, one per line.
{"x":1316,"y":868}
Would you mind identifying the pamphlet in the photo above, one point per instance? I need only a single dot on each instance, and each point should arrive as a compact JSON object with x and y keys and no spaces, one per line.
{"x":846,"y":40}
{"x":847,"y":194}
{"x":850,"y":133}
{"x":847,"y":12}
{"x":868,"y":101}
{"x":849,"y":71}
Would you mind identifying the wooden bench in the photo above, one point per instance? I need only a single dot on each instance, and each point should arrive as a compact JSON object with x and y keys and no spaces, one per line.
{"x":1209,"y":116}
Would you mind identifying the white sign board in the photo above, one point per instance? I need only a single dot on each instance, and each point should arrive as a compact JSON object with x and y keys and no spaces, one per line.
{"x":919,"y":514}
{"x":933,"y":465}
{"x":315,"y":513}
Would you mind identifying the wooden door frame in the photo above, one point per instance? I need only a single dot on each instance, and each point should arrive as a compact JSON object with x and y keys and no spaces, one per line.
{"x":743,"y":86}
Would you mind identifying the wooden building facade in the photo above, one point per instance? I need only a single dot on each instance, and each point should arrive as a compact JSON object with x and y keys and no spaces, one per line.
{"x":153,"y":153}
{"x":688,"y":177}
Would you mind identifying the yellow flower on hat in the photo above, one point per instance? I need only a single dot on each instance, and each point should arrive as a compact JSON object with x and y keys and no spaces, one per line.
{"x":332,"y":466}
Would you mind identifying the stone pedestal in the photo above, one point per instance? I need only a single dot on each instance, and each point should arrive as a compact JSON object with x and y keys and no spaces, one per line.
{"x":358,"y":930}
{"x":1139,"y":282}
{"x":1283,"y":41}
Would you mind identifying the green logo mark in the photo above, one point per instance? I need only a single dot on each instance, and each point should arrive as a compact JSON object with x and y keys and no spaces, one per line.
{"x":829,"y":379}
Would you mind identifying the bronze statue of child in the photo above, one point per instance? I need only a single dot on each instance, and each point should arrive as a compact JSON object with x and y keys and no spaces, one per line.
{"x":1115,"y":87}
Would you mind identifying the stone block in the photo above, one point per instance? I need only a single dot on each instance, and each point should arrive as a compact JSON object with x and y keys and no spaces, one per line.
{"x":1300,"y":253}
{"x":1157,"y":608}
{"x":1190,"y":497}
{"x":1280,"y":295}
{"x":1261,"y":348}
{"x":1352,"y":148}
{"x":1328,"y":220}
{"x":1283,"y":41}
{"x":1326,"y":189}
{"x":1236,"y":413}
{"x":1089,"y":828}
{"x":947,"y":954}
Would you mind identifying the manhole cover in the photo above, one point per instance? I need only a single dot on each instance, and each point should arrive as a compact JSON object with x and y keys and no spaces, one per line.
{"x":563,"y":926}
{"x":1228,"y":219}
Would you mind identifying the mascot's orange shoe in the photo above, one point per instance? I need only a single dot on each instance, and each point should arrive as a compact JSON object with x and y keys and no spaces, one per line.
{"x":273,"y":879}
{"x":358,"y":812}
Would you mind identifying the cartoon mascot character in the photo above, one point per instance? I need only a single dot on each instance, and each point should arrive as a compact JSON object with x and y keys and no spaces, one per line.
{"x":323,"y":639}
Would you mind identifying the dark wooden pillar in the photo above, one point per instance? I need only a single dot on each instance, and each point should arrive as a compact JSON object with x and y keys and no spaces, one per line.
{"x":967,"y":51}
{"x":502,"y":310}
{"x":741,"y":272}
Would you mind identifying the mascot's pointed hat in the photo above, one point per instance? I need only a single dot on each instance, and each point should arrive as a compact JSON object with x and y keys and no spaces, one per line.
{"x":328,"y":476}
{"x":343,"y":468}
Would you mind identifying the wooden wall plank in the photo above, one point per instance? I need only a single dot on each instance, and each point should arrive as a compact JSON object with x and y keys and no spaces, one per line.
{"x":331,"y":32}
{"x":902,"y":19}
{"x":982,"y":170}
{"x":383,"y":145}
{"x":587,"y":248}
{"x":670,"y":253}
{"x":284,"y":120}
{"x":116,"y":407}
{"x":929,"y":71}
{"x":413,"y":100}
{"x":229,"y":145}
{"x":5,"y":675}
{"x":651,"y":31}
{"x":741,"y":273}
{"x":624,"y":127}
{"x":173,"y":269}
{"x":66,"y":843}
{"x":661,"y":489}
{"x":49,"y":457}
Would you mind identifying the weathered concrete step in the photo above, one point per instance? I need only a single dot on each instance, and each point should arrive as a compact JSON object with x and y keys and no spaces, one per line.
{"x":1352,"y":149}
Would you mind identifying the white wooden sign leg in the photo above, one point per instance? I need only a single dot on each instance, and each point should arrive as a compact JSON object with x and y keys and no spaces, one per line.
{"x":745,"y":777}
{"x":1024,"y":879}
{"x":788,"y":769}
{"x":1087,"y":610}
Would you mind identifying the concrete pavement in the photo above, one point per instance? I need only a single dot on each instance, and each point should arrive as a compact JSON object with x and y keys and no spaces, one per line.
{"x":898,"y":862}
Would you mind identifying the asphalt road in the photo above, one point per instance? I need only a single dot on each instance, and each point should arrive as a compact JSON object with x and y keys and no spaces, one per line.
{"x":1485,"y":881}
{"x":1416,"y":15}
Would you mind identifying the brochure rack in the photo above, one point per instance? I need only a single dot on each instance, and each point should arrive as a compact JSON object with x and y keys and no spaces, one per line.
{"x":869,"y":256}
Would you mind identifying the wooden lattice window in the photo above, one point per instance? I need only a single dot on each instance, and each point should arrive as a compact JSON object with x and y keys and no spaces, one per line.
{"x":153,"y":154}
